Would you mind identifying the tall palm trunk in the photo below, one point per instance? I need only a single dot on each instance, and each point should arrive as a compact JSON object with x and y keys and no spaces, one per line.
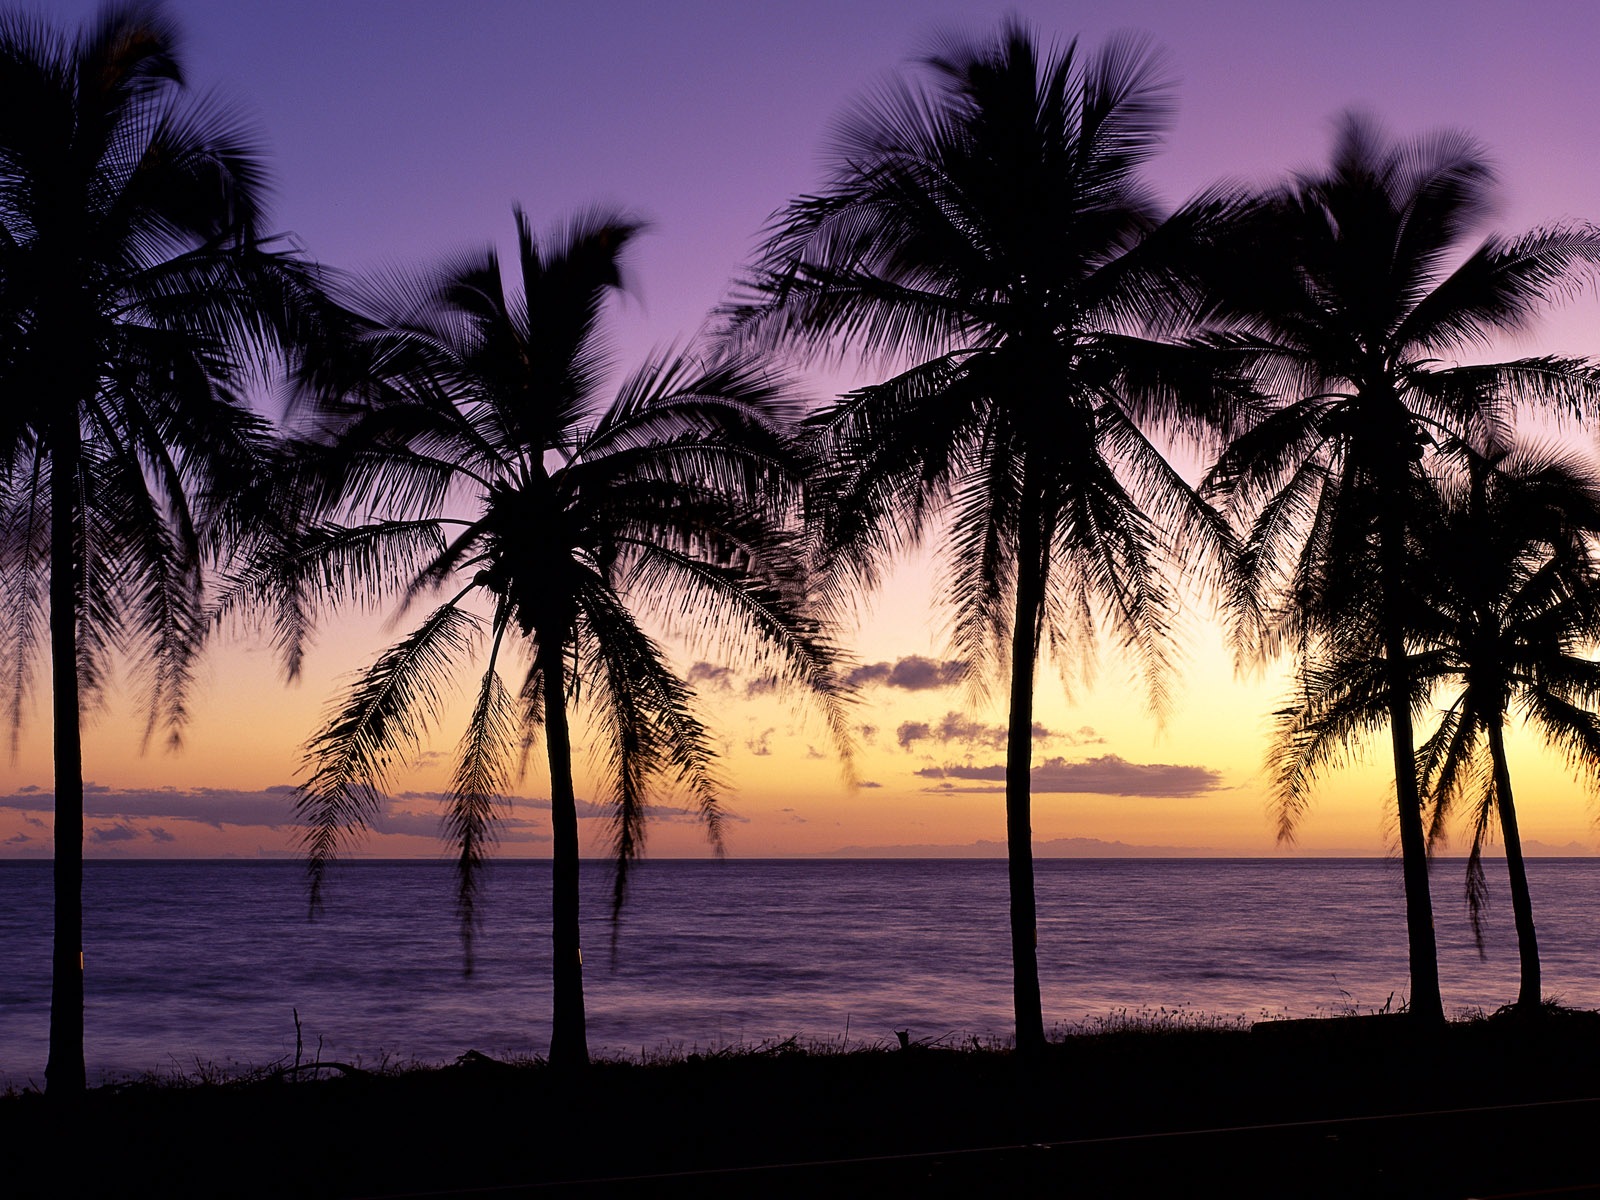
{"x":1019,"y":783}
{"x":1426,"y":1005}
{"x":64,"y":1072}
{"x":569,"y":1038}
{"x":1529,"y":994}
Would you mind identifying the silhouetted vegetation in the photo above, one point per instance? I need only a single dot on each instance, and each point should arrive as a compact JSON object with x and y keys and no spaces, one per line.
{"x":989,"y":225}
{"x":1290,"y":1108}
{"x":1504,"y":605}
{"x":136,"y":295}
{"x":1347,"y":292}
{"x":1046,"y":334}
{"x":466,"y":451}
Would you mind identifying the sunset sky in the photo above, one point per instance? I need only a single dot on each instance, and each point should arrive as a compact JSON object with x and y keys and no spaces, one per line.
{"x":400,"y":131}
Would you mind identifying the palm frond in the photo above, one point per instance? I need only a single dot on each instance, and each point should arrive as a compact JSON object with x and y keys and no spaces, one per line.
{"x":647,"y":728}
{"x":24,"y":571}
{"x":382,"y":718}
{"x":482,"y":777}
{"x":299,"y":570}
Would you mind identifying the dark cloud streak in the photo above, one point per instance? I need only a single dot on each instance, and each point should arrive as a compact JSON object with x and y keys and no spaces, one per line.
{"x":1107,"y":775}
{"x":913,"y":674}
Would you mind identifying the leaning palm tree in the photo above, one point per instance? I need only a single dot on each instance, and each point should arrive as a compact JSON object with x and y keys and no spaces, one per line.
{"x":1503,"y":612}
{"x":473,"y":459}
{"x":133,"y":299}
{"x":988,"y":226}
{"x":1351,"y":290}
{"x":1512,"y":616}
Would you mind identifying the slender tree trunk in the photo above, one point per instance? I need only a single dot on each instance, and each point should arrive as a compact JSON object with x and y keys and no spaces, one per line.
{"x":1019,"y":788}
{"x":1529,"y":995}
{"x":1426,"y":1005}
{"x":64,"y":1072}
{"x":569,"y":1037}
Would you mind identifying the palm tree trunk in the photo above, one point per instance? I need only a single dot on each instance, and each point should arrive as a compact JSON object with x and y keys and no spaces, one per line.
{"x":1529,"y":995}
{"x":1426,"y":1006}
{"x":64,"y":1071}
{"x":569,"y":1037}
{"x":1019,"y":788}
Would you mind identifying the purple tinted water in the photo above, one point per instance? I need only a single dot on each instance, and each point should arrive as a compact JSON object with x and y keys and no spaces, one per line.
{"x":204,"y":962}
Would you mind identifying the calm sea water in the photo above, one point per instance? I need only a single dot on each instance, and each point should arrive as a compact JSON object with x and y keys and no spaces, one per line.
{"x":197,"y":963}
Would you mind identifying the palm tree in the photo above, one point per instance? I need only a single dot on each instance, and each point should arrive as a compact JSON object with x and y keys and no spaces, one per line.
{"x":1516,"y":617}
{"x":1504,"y":606}
{"x":988,"y":226}
{"x":130,"y":280}
{"x":1351,"y":290}
{"x":474,"y":436}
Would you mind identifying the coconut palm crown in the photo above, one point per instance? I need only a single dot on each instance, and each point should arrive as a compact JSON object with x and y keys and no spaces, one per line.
{"x":474,"y":460}
{"x":1504,"y":613}
{"x":137,"y":303}
{"x":985,"y":222}
{"x":1356,"y":294}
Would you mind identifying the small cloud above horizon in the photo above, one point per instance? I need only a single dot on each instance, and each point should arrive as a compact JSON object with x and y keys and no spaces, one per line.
{"x":955,"y":727}
{"x":914,"y":673}
{"x":158,"y":817}
{"x":1108,"y":775}
{"x":710,"y":676}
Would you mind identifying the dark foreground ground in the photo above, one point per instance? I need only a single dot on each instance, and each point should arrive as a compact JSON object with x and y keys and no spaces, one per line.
{"x":1336,"y":1108}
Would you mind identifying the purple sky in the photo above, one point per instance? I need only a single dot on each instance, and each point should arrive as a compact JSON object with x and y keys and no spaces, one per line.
{"x":399,"y":128}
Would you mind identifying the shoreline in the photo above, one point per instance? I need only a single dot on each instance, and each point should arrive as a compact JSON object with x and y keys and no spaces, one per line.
{"x":1333,"y":1107}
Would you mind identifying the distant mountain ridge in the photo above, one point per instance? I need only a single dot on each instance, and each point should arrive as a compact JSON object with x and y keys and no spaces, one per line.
{"x":1084,"y":847}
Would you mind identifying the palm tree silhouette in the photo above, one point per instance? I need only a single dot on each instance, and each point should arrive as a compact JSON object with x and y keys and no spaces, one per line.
{"x":1349,"y":290}
{"x":989,"y":227}
{"x":1505,"y":607}
{"x":1513,"y":618}
{"x":473,"y":431}
{"x":131,"y":279}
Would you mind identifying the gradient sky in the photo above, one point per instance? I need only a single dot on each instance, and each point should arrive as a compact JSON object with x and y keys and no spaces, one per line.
{"x":399,"y":131}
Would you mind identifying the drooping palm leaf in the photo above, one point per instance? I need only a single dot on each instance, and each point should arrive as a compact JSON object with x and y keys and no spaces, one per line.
{"x":384,"y":715}
{"x":468,"y":447}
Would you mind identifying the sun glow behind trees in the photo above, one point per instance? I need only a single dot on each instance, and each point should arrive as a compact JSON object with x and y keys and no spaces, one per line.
{"x":395,"y":142}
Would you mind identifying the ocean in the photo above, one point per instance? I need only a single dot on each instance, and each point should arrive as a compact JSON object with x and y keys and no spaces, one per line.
{"x":195,"y":966}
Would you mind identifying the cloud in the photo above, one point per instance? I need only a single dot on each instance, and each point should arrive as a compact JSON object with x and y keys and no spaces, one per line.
{"x":216,"y":807}
{"x":869,"y":783}
{"x":911,"y":732}
{"x":711,"y":677}
{"x":106,"y":834}
{"x":148,"y":815}
{"x":1107,"y":775}
{"x":957,"y":727}
{"x":587,"y":810}
{"x":761,"y":744}
{"x":913,"y":673}
{"x":429,"y":825}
